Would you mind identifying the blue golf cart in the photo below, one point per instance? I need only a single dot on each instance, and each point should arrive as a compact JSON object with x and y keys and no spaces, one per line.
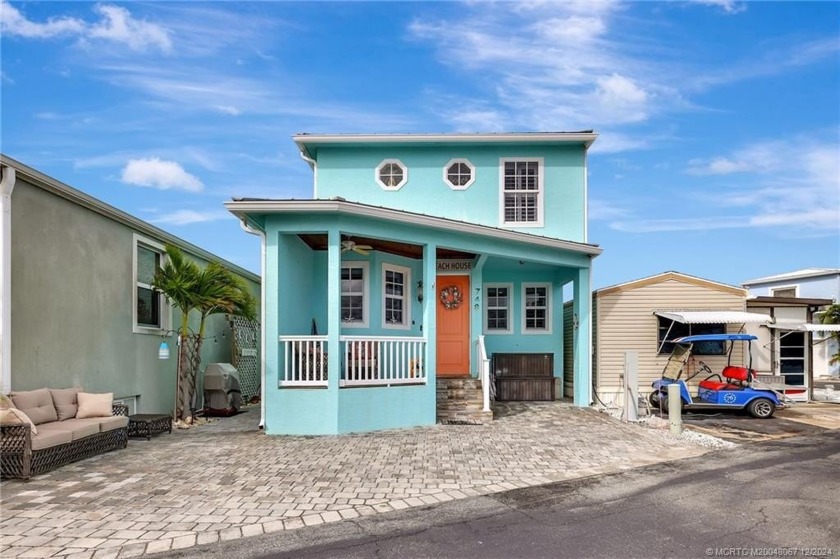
{"x":731,"y":389}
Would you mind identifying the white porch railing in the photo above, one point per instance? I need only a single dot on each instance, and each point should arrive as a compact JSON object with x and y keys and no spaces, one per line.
{"x":483,"y":371}
{"x":383,"y":360}
{"x":305,"y":361}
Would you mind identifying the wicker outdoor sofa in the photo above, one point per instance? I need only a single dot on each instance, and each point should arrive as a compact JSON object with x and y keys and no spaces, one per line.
{"x":59,"y":436}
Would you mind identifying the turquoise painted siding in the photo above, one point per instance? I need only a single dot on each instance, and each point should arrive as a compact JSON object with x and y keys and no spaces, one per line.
{"x":374,"y":408}
{"x":350,"y":173}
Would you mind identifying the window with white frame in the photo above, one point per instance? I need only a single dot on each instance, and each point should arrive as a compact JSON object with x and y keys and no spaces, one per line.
{"x":786,"y":291}
{"x":522,"y":192}
{"x":536,"y":308}
{"x":149,"y":309}
{"x":459,"y":174}
{"x":354,"y":294}
{"x":391,"y":174}
{"x":396,"y":304}
{"x":497,"y":308}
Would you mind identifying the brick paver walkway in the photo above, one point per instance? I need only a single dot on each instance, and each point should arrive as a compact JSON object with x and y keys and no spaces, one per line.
{"x":229,"y":480}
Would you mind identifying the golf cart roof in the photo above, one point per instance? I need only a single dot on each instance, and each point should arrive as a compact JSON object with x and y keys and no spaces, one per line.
{"x":715,"y":338}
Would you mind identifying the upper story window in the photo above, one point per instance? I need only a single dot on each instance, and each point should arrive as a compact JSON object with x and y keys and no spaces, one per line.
{"x":354,"y":294}
{"x":787,"y":291}
{"x":522,"y":192}
{"x":497,"y":305}
{"x":149,"y":308}
{"x":391,"y":174}
{"x":459,"y":174}
{"x":536,"y":308}
{"x":396,"y":304}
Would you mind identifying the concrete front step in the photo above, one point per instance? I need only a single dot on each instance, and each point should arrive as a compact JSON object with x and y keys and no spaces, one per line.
{"x":460,"y":401}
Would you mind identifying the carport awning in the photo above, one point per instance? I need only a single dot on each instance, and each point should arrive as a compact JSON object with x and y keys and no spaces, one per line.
{"x":806,"y":326}
{"x":714,"y":317}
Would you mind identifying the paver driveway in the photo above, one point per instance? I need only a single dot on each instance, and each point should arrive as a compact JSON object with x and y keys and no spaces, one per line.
{"x":229,"y":480}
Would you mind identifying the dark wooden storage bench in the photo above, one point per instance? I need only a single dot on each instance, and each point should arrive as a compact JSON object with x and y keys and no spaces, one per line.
{"x":524,"y":376}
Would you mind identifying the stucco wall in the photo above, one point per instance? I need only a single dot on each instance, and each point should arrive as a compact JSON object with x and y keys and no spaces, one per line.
{"x":72,"y":300}
{"x":625,"y":322}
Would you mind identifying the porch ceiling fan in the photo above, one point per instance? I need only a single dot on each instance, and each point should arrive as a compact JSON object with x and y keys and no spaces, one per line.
{"x":350,"y":245}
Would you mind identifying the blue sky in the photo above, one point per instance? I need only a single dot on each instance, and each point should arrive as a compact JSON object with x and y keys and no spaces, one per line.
{"x":719,"y":121}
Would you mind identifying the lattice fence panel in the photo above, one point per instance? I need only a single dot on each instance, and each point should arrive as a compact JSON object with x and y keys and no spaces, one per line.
{"x":246,"y":355}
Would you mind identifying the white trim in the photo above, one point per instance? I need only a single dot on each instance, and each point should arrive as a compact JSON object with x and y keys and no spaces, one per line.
{"x":163,"y":305}
{"x":585,"y":138}
{"x":241,"y":209}
{"x":510,"y":310}
{"x":7,"y":186}
{"x":407,"y":296}
{"x":548,"y":308}
{"x":398,"y":163}
{"x":775,"y":288}
{"x":540,"y":192}
{"x":452,"y":162}
{"x":365,"y":266}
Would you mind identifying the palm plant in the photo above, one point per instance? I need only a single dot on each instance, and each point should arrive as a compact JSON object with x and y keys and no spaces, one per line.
{"x":832,"y":316}
{"x":211,"y":290}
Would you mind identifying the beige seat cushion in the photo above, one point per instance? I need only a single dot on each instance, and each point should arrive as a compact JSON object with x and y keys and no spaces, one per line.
{"x":37,"y":404}
{"x":113,"y":422}
{"x":50,"y":438}
{"x":95,"y":405}
{"x":13,"y":416}
{"x":78,"y":428}
{"x":65,"y":401}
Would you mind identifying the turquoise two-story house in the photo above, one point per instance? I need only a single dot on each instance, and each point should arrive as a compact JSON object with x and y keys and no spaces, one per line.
{"x":419,"y":259}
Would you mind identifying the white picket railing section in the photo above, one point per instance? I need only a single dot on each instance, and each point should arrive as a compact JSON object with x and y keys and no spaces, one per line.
{"x":484,"y":371}
{"x":383,"y":360}
{"x":305,"y":361}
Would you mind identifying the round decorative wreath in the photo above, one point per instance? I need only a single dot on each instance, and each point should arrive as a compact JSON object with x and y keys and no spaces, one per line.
{"x":450,"y":297}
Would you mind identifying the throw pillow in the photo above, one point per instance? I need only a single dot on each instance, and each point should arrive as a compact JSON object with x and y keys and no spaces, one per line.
{"x":94,"y":405}
{"x":5,"y":402}
{"x":65,"y":401}
{"x":37,"y":404}
{"x":13,"y":416}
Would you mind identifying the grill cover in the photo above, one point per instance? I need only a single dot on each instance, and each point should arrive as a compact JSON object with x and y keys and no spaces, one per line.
{"x":221,"y":387}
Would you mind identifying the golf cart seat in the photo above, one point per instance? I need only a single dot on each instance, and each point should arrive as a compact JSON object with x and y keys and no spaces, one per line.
{"x":737,"y":375}
{"x":715,"y":385}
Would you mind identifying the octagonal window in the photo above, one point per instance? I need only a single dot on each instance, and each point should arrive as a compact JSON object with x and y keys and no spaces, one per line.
{"x":391,"y":174}
{"x":459,"y":174}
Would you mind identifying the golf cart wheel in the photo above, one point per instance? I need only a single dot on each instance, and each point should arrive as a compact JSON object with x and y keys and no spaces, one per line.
{"x":761,"y":408}
{"x":654,"y":398}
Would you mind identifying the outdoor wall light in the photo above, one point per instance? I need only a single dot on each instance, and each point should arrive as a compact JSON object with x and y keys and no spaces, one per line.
{"x":163,"y":351}
{"x":420,"y":291}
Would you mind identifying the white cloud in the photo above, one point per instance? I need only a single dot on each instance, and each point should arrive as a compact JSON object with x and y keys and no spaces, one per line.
{"x":14,"y":23}
{"x":604,"y":210}
{"x":163,"y":175}
{"x":792,"y":185}
{"x":229,"y":110}
{"x":728,"y":6}
{"x":115,"y":25}
{"x":189,"y":217}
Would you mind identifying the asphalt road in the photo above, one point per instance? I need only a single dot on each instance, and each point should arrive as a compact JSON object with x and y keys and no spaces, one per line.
{"x":777,"y":499}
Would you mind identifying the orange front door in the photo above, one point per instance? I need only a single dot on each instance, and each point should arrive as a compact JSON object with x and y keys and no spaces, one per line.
{"x":453,"y":326}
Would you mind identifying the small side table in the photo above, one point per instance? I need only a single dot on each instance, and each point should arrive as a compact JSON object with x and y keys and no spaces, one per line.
{"x":148,"y":424}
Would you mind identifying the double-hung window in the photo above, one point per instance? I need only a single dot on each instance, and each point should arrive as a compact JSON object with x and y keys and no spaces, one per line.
{"x":522,"y":192}
{"x":497,"y":305}
{"x":149,"y":309}
{"x":536,"y":308}
{"x":396,"y":304}
{"x":354,"y":294}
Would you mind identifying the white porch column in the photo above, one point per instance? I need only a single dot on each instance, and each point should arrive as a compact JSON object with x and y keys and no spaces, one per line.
{"x":333,"y":308}
{"x":430,"y":310}
{"x":583,"y":338}
{"x":7,"y":185}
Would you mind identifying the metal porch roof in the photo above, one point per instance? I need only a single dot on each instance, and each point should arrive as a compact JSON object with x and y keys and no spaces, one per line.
{"x":714,"y":317}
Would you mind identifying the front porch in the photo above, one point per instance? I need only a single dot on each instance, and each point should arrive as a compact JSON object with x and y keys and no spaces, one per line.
{"x":364,"y":315}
